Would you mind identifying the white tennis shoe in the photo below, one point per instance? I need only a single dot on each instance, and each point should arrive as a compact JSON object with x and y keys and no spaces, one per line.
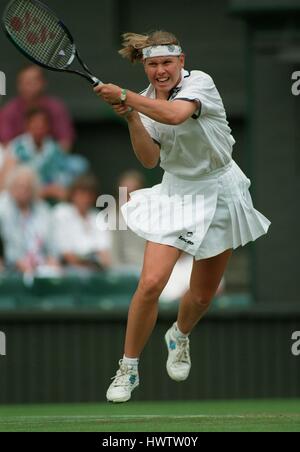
{"x":179,"y":361}
{"x":124,"y":382}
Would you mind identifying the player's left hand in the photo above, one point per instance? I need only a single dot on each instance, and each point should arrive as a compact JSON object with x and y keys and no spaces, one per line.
{"x":122,"y":110}
{"x":109,"y":93}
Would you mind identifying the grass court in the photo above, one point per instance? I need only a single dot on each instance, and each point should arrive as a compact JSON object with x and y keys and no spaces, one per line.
{"x":191,"y":416}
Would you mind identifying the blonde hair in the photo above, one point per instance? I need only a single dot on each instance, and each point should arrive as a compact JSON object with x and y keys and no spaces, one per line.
{"x":133,"y":44}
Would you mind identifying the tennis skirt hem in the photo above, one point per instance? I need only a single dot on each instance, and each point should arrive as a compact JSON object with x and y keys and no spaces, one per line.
{"x":228,"y":217}
{"x":201,"y":254}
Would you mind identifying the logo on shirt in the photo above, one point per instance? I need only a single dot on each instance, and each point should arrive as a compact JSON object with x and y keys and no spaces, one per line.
{"x":186,"y":241}
{"x":174,"y":92}
{"x":2,"y":84}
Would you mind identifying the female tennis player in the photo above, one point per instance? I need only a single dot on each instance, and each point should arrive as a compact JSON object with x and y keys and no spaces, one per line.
{"x":180,"y":120}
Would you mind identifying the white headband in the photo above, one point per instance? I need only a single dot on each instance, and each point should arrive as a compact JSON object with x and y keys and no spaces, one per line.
{"x":165,"y":50}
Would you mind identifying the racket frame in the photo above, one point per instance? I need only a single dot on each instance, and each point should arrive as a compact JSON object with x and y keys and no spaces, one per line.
{"x":87,"y":76}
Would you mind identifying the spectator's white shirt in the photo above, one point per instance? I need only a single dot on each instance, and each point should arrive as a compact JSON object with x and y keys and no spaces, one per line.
{"x":24,"y":237}
{"x":74,"y":234}
{"x":203,"y":142}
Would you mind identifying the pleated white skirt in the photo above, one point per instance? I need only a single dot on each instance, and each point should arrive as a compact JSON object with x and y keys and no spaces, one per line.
{"x":201,"y":217}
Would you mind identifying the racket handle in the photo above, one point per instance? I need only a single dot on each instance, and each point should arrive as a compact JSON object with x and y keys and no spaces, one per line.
{"x":96,"y":82}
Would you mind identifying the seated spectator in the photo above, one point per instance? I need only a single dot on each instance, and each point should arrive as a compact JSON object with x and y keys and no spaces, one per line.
{"x":31,"y":87}
{"x":128,"y":248}
{"x":76,"y":238}
{"x":38,"y":150}
{"x":25,"y":224}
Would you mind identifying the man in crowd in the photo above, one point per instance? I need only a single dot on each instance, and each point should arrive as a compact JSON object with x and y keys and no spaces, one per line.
{"x":31,"y":87}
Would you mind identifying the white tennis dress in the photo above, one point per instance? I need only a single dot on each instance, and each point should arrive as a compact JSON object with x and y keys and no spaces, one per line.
{"x":203,"y":205}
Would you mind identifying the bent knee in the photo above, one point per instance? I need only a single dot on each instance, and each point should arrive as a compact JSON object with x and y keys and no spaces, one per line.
{"x":202,"y":298}
{"x":152,"y":286}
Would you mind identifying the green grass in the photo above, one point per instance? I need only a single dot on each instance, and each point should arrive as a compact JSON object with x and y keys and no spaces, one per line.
{"x":212,"y":416}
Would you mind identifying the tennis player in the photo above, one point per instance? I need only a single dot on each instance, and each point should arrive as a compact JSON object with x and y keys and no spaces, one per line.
{"x":180,"y":120}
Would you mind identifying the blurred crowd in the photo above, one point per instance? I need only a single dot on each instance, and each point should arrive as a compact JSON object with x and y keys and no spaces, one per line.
{"x":48,"y":215}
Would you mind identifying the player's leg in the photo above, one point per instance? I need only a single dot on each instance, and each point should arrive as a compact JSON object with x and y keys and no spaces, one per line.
{"x":158,"y":265}
{"x":205,"y":280}
{"x":159,"y":262}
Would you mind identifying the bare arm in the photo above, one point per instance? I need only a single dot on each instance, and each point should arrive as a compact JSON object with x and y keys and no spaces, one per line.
{"x":146,"y":150}
{"x":163,"y":111}
{"x":159,"y":110}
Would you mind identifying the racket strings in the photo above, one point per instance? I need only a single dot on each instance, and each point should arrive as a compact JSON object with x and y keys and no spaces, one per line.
{"x":38,"y":32}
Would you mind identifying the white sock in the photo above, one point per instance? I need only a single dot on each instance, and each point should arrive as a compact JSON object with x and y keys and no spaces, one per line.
{"x":177,"y":333}
{"x":131,"y":361}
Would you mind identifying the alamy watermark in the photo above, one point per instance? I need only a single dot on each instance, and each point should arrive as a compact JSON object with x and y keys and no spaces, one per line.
{"x":2,"y":84}
{"x":2,"y":344}
{"x":152,"y":213}
{"x":296,"y":83}
{"x":296,"y":343}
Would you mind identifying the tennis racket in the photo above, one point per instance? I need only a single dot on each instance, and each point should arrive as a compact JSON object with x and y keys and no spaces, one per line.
{"x":43,"y":38}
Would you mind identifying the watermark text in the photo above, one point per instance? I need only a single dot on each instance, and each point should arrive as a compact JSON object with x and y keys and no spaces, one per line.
{"x":296,"y":84}
{"x":296,"y":343}
{"x":2,"y":344}
{"x":2,"y":84}
{"x":152,"y":214}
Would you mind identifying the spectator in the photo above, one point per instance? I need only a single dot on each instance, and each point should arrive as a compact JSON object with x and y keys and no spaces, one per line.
{"x":128,"y":248}
{"x":24,"y":223}
{"x":31,"y":87}
{"x":76,"y":237}
{"x":37,"y":149}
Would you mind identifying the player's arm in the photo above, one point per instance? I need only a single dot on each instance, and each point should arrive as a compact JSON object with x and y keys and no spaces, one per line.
{"x":163,"y":111}
{"x":146,"y":150}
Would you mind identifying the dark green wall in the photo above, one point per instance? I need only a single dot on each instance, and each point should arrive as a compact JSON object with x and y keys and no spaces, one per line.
{"x":72,"y":357}
{"x":273,"y":142}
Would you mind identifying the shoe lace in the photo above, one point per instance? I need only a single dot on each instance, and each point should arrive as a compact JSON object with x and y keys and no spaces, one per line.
{"x":121,"y":377}
{"x":182,"y":354}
